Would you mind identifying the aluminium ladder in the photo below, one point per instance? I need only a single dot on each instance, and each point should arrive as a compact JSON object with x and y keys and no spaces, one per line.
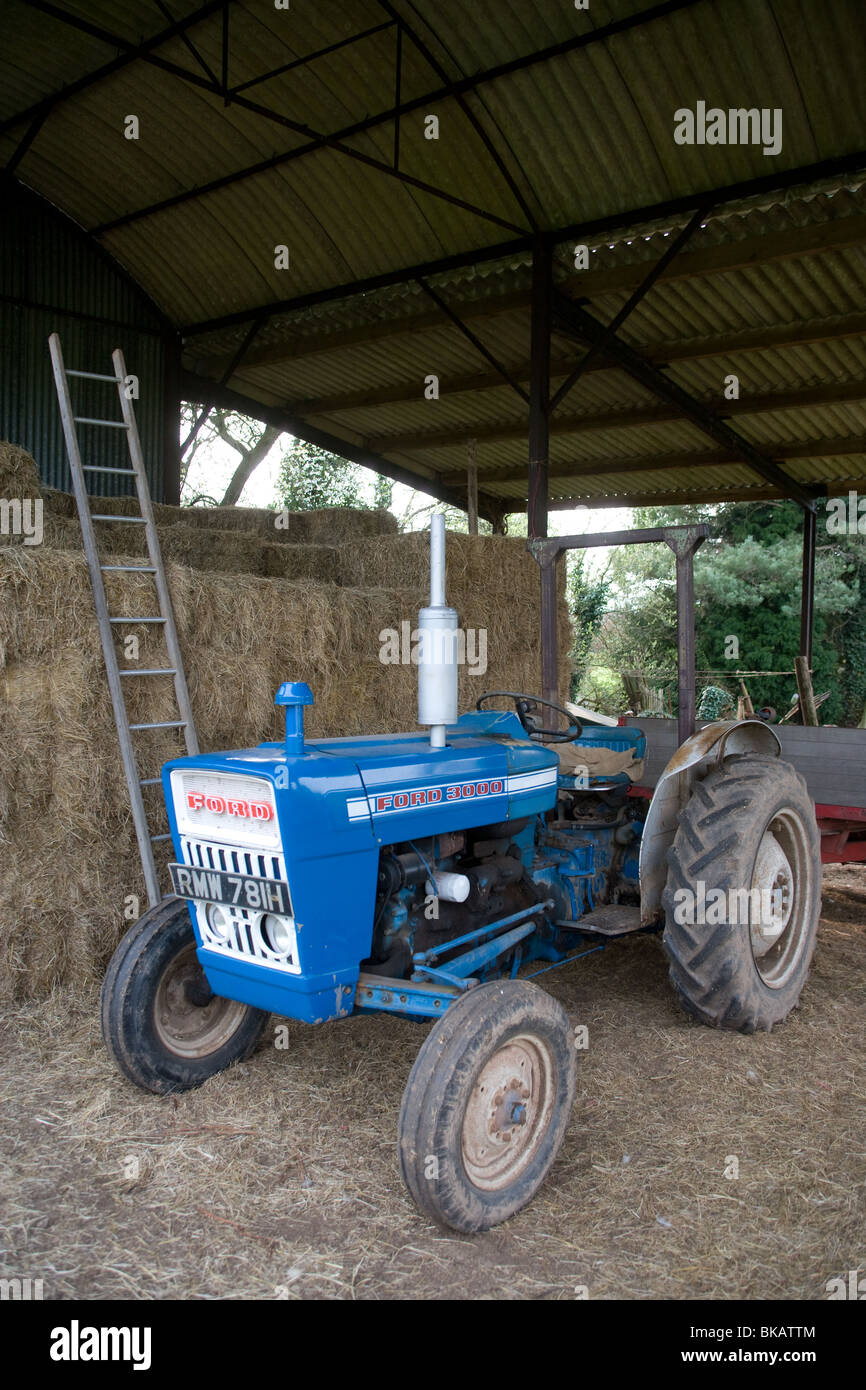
{"x":164,"y":617}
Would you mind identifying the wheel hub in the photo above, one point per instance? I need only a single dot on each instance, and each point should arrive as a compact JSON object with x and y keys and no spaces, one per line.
{"x":508,"y":1113}
{"x":190,"y":1020}
{"x":774,"y":879}
{"x":785,"y":872}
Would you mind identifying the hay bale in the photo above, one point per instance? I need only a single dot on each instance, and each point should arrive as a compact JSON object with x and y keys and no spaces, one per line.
{"x":58,"y":503}
{"x":320,"y":562}
{"x":325,"y":526}
{"x":336,"y":526}
{"x":163,"y":514}
{"x":18,"y":475}
{"x":257,"y":520}
{"x":234,"y":552}
{"x":70,"y":860}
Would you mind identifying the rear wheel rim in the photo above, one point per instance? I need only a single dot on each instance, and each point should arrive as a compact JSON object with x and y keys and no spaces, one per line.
{"x":784,"y":870}
{"x":187,"y":1029}
{"x":508,"y":1113}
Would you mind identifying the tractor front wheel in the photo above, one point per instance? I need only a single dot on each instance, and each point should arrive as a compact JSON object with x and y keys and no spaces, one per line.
{"x":487,"y":1105}
{"x":743,"y":894}
{"x":165,"y":1028}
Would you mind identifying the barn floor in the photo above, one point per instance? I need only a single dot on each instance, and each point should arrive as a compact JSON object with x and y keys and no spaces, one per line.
{"x":279,"y":1179}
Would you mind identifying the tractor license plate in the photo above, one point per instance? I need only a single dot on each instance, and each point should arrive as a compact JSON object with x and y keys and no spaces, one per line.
{"x":233,"y":890}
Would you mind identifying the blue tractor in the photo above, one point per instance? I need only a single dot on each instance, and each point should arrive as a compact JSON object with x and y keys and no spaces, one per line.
{"x":429,"y":874}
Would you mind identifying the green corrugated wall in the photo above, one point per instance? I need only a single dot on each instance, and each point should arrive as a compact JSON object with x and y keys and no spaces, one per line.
{"x":52,"y":279}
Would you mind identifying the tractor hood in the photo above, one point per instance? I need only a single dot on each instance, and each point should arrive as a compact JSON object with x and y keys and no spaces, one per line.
{"x":391,"y":786}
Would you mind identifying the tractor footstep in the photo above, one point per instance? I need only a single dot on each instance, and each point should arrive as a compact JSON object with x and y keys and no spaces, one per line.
{"x":608,"y":921}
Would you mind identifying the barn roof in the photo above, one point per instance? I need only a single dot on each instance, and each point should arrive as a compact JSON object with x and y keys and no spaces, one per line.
{"x":411,"y":257}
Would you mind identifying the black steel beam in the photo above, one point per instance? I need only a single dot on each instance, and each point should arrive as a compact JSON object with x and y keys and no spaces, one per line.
{"x":189,"y":46}
{"x":333,"y":142}
{"x":476,"y":342}
{"x":203,"y":391}
{"x":310,"y":57}
{"x":573,"y":318}
{"x":597,"y":349}
{"x":454,"y":89}
{"x":826,"y":447}
{"x":804,"y":174}
{"x":132,"y":52}
{"x":430,"y":57}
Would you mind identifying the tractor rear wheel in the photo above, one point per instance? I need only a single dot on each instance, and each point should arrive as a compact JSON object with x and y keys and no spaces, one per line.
{"x":165,"y":1028}
{"x":487,"y":1105}
{"x":743,"y":894}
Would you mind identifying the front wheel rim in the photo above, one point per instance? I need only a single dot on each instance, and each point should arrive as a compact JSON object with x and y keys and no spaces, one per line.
{"x":508,"y":1113}
{"x":784,"y":870}
{"x":187,"y":1029}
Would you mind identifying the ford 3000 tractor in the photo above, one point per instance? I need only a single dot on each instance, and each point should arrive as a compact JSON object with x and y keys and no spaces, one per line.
{"x":425,"y":874}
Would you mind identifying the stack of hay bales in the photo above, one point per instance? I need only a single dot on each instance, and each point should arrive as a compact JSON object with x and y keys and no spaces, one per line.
{"x":254,"y":605}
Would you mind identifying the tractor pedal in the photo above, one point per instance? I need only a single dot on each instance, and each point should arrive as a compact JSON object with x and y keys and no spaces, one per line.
{"x":616,"y":920}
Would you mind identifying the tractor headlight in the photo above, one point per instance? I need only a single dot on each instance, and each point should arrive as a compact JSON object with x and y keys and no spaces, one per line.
{"x":218,"y":920}
{"x":277,"y":934}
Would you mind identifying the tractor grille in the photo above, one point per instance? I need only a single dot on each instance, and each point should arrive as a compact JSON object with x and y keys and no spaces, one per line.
{"x":243,"y":938}
{"x":255,"y":863}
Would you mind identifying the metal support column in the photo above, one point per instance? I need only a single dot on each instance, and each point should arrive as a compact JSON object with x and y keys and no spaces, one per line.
{"x":549,"y":630}
{"x":684,"y":546}
{"x":683,"y":541}
{"x":539,"y":391}
{"x":807,"y":593}
{"x":171,"y":458}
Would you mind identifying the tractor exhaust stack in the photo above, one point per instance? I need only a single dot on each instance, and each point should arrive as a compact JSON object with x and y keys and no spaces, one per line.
{"x":437,"y":646}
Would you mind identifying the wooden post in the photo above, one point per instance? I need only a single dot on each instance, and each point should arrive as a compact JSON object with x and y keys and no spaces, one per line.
{"x":472,"y":488}
{"x":539,"y":392}
{"x":808,"y":711}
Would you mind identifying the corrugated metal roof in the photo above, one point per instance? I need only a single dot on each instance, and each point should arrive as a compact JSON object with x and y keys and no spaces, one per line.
{"x":580,"y":136}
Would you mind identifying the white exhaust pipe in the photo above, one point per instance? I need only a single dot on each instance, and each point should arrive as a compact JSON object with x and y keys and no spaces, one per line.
{"x":437,"y":646}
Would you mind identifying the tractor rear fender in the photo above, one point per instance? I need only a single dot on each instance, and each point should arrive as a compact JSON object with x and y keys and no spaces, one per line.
{"x":674,"y":788}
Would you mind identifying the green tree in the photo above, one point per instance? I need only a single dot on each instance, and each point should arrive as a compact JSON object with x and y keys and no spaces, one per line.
{"x":747,"y":588}
{"x":310,"y":478}
{"x":587,"y":597}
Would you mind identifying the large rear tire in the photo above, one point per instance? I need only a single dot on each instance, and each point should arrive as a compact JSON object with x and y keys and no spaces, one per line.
{"x":162,"y":1024}
{"x":739,"y":960}
{"x":487,"y":1105}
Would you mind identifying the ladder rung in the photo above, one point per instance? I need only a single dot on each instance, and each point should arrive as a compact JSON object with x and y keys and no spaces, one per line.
{"x":97,"y":468}
{"x":149,"y":781}
{"x":160,"y":837}
{"x":94,"y":376}
{"x":131,"y":569}
{"x":109,"y":424}
{"x":135,"y":520}
{"x":168,"y":724}
{"x":136,"y":620}
{"x":155,"y":671}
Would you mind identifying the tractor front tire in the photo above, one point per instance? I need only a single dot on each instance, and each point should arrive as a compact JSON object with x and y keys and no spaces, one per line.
{"x":741,"y":960}
{"x":487,"y":1105}
{"x":164,"y":1027}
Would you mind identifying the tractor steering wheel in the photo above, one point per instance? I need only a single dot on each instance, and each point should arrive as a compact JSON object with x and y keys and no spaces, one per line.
{"x":525,"y":706}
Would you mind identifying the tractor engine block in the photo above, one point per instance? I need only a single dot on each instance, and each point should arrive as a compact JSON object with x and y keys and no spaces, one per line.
{"x":433,"y":890}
